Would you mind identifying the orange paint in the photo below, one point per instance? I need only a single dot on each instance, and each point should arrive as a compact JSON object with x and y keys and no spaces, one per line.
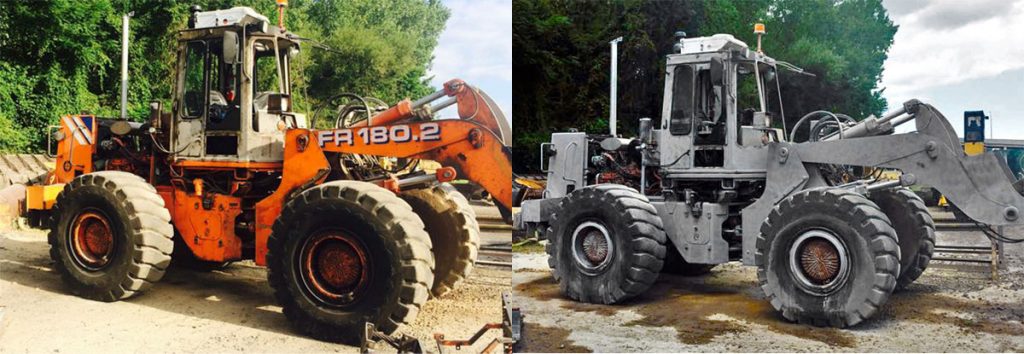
{"x":227,"y":165}
{"x":394,"y":114}
{"x":208,"y":229}
{"x":470,"y":148}
{"x":304,"y":166}
{"x":75,"y":149}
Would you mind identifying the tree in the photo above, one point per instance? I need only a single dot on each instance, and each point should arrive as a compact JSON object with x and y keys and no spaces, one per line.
{"x":561,"y":60}
{"x":61,"y":56}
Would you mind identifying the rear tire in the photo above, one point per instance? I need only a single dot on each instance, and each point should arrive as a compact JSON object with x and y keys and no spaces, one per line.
{"x":827,"y":258}
{"x":914,"y":228}
{"x":454,"y":233}
{"x":344,"y":253}
{"x":111,"y":235}
{"x":606,"y":244}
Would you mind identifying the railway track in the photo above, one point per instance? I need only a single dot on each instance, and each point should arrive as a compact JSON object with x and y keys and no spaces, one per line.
{"x":495,"y":255}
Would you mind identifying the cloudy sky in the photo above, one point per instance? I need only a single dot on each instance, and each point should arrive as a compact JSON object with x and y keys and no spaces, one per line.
{"x":960,"y":55}
{"x":476,"y":46}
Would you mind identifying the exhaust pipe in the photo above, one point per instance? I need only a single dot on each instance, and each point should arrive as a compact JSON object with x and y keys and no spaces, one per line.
{"x":124,"y":64}
{"x":614,"y":85}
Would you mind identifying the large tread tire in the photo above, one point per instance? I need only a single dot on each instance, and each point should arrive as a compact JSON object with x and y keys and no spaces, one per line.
{"x":873,"y":256}
{"x":636,"y":233}
{"x":139,"y":226}
{"x":393,"y":238}
{"x":914,"y":228}
{"x":454,"y":233}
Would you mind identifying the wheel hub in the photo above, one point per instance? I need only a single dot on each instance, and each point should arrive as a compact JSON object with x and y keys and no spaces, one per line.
{"x":819,"y":261}
{"x":592,"y":247}
{"x":335,"y":267}
{"x":595,"y":247}
{"x":92,"y":240}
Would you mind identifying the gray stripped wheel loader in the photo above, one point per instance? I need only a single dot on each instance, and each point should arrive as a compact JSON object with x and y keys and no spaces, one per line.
{"x":715,"y":183}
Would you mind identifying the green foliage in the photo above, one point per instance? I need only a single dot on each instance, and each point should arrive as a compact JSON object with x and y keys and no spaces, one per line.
{"x":63,"y":56}
{"x":561,"y":58}
{"x":376,"y":39}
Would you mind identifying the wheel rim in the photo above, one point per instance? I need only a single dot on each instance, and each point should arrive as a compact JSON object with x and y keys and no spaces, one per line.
{"x":91,"y":240}
{"x":592,"y":247}
{"x":819,"y":261}
{"x":335,"y":267}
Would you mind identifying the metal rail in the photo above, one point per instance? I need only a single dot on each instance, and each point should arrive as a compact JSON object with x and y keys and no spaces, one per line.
{"x":993,"y":251}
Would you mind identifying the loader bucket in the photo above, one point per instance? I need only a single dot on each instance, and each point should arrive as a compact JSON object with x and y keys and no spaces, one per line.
{"x":24,"y":169}
{"x":11,"y":200}
{"x":17,"y":171}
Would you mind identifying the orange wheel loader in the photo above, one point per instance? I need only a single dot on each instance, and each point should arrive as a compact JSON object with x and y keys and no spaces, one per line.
{"x":349,"y":229}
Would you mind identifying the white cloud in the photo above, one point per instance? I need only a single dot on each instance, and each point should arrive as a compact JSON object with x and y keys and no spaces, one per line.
{"x":476,"y":46}
{"x":949,"y":41}
{"x":959,"y":56}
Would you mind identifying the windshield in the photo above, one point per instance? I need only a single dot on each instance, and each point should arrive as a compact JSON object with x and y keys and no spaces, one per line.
{"x":747,"y":90}
{"x":270,"y":74}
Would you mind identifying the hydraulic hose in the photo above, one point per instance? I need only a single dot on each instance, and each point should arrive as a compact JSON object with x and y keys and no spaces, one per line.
{"x":806,"y":118}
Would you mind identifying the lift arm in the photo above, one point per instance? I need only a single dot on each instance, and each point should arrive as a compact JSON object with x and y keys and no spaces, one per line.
{"x":980,"y":185}
{"x":475,"y":152}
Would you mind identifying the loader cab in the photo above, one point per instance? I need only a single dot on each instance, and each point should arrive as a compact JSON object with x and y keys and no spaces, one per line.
{"x":711,"y":108}
{"x":232,"y":100}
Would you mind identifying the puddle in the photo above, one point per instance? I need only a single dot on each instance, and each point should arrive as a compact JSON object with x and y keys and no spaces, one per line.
{"x":690,"y":304}
{"x":982,"y":316}
{"x":541,"y":339}
{"x":687,"y":304}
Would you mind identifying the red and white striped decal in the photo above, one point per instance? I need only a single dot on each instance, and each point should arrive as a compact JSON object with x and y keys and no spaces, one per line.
{"x":78,"y":129}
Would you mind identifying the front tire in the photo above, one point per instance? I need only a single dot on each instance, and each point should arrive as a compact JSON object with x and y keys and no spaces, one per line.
{"x":111,"y":235}
{"x":454,"y":233}
{"x":827,"y":258}
{"x":344,"y":253}
{"x":606,"y":244}
{"x":914,"y":228}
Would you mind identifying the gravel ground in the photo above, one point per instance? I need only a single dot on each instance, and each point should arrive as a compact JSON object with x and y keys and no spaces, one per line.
{"x":187,"y":311}
{"x":952,"y":307}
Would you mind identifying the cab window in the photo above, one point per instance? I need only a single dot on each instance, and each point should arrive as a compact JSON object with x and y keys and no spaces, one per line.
{"x":681,"y":117}
{"x":195,"y":79}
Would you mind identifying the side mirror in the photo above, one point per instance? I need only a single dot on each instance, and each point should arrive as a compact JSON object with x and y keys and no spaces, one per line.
{"x":230,"y":49}
{"x":278,"y":103}
{"x":717,"y":72}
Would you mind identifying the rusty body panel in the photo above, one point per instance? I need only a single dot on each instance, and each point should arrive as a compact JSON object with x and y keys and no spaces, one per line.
{"x":205,"y":222}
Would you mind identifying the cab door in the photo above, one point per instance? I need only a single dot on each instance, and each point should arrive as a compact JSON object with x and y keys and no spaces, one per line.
{"x":190,"y":100}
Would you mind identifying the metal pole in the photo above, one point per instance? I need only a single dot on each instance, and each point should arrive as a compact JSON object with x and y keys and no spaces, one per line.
{"x":614,"y":85}
{"x":124,"y":65}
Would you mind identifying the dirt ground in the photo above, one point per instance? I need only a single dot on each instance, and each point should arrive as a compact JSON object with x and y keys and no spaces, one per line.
{"x":952,"y":307}
{"x":187,"y":311}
